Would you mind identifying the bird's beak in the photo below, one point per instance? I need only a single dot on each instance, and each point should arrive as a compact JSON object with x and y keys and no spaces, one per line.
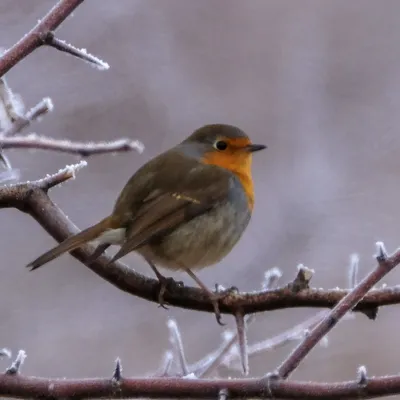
{"x":255,"y":147}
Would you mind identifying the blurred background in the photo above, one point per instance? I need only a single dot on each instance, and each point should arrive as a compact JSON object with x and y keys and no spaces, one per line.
{"x":317,"y":81}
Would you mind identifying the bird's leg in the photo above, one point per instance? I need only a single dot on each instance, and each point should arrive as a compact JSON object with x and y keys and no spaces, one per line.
{"x":214,"y":297}
{"x":163,"y":283}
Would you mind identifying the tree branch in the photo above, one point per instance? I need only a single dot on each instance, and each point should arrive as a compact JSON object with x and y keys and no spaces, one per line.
{"x":385,"y":265}
{"x":83,"y":149}
{"x":18,"y":386}
{"x":37,"y":36}
{"x":21,"y":122}
{"x":31,"y":199}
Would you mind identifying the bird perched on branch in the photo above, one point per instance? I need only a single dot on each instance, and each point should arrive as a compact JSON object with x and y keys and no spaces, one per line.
{"x":183,"y":210}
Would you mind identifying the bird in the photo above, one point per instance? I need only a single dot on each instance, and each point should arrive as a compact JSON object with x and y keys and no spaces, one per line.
{"x":183,"y":210}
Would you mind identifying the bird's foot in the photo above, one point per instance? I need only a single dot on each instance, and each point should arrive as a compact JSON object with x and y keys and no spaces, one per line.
{"x":166,"y":284}
{"x":218,"y":295}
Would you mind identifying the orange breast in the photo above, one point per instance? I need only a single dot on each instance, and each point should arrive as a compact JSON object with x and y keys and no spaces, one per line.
{"x":238,"y":162}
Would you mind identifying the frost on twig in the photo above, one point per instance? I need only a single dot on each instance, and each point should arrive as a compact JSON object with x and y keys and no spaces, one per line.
{"x":385,"y":265}
{"x":22,"y":121}
{"x":117,"y":374}
{"x":382,"y":254}
{"x":82,"y":54}
{"x":5,"y":353}
{"x":362,"y":375}
{"x":166,"y":364}
{"x":295,"y":333}
{"x":16,"y":365}
{"x":353,"y":270}
{"x":271,"y":278}
{"x":83,"y":149}
{"x":11,"y":110}
{"x":302,"y":280}
{"x":242,"y":338}
{"x":175,"y":338}
{"x":61,"y":176}
{"x":223,"y":394}
{"x":11,"y":106}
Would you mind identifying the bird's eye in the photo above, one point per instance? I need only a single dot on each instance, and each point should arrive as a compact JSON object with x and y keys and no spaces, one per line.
{"x":220,"y":145}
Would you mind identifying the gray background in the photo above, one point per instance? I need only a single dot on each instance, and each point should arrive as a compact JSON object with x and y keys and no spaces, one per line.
{"x":315,"y":80}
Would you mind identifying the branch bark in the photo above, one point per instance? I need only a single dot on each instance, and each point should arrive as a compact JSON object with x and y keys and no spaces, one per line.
{"x":65,"y":146}
{"x":18,"y":386}
{"x":36,"y":37}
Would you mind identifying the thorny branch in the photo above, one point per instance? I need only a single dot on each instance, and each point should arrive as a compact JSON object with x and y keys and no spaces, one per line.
{"x":43,"y":34}
{"x":16,"y":120}
{"x":18,"y":386}
{"x":32,"y":198}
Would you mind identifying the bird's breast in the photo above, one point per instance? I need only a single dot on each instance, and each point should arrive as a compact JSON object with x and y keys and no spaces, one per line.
{"x":204,"y":240}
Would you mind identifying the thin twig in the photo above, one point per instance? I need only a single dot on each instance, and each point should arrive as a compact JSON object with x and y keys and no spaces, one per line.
{"x":61,"y":176}
{"x":385,"y":265}
{"x":165,"y":365}
{"x":271,"y":278}
{"x":353,"y":270}
{"x":65,"y":47}
{"x":295,"y":333}
{"x":5,"y":353}
{"x":12,"y":107}
{"x":241,"y":329}
{"x":43,"y":107}
{"x":176,"y":341}
{"x":17,"y":363}
{"x":35,"y":38}
{"x":83,"y":149}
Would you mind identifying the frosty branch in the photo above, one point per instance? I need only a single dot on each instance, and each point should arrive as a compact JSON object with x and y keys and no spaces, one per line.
{"x":187,"y":381}
{"x":14,"y":119}
{"x":43,"y":34}
{"x":177,"y":377}
{"x":33,"y":199}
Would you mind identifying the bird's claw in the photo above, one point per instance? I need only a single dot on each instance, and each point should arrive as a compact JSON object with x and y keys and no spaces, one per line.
{"x":165,"y":284}
{"x":220,"y":294}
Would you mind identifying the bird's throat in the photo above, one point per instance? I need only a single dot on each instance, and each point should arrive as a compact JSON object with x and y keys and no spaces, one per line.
{"x":240,"y":165}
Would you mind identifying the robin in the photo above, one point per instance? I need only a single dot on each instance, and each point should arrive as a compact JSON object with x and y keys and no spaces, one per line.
{"x":183,"y":210}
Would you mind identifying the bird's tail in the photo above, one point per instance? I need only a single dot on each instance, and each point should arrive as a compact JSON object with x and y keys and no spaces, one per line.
{"x":72,"y":243}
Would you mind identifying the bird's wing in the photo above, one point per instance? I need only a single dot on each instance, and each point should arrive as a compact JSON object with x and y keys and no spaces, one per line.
{"x":163,"y":210}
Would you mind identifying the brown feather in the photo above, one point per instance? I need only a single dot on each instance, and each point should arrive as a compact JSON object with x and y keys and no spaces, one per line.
{"x":72,"y":243}
{"x":164,"y":212}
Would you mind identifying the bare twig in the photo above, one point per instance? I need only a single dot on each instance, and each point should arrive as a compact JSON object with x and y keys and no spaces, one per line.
{"x":295,"y":333}
{"x":5,"y":353}
{"x":117,"y":373}
{"x":242,"y":339}
{"x":353,"y":270}
{"x":385,"y":265}
{"x":165,"y":365}
{"x":21,"y":122}
{"x":37,"y":36}
{"x":176,"y":341}
{"x":362,"y":375}
{"x":33,"y":141}
{"x":61,"y":45}
{"x":271,"y":278}
{"x":16,"y":365}
{"x":11,"y":106}
{"x":302,"y":280}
